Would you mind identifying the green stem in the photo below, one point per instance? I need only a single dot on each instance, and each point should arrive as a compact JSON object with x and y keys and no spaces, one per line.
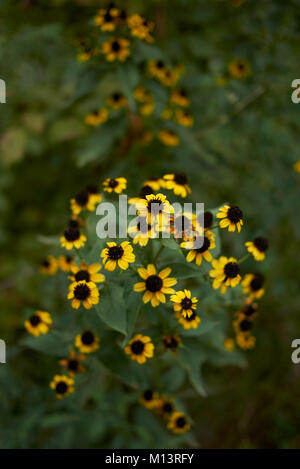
{"x":158,"y":254}
{"x":214,"y":227}
{"x":244,"y":258}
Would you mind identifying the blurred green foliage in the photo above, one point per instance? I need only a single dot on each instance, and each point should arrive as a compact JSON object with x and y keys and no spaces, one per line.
{"x":242,"y":149}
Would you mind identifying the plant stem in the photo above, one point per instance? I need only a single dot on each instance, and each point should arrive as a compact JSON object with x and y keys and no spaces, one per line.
{"x":244,"y":258}
{"x":158,"y":254}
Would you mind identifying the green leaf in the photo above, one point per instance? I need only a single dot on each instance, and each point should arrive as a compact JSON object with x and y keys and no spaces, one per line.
{"x":112,"y":308}
{"x":49,"y":344}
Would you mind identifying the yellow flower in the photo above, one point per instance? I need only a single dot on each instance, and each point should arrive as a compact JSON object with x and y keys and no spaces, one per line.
{"x":140,"y":348}
{"x":117,"y":255}
{"x":72,"y":239}
{"x":155,"y":208}
{"x":245,"y":341}
{"x":140,"y":27}
{"x":149,"y":399}
{"x":62,"y":385}
{"x":229,"y":344}
{"x":297,"y":167}
{"x":117,"y":185}
{"x":142,"y":232}
{"x":65,"y":263}
{"x":117,"y":100}
{"x":184,"y":118}
{"x":97,"y":117}
{"x":142,"y":95}
{"x":73,"y":363}
{"x":188,"y":322}
{"x":182,"y":226}
{"x":106,"y":19}
{"x":244,"y":338}
{"x":86,"y":51}
{"x":253,"y":285}
{"x":184,"y":303}
{"x":87,"y":273}
{"x":87,"y":292}
{"x":166,"y":407}
{"x":226,"y":273}
{"x":169,"y":138}
{"x":86,"y":199}
{"x":116,"y":49}
{"x":169,"y":77}
{"x":198,"y":254}
{"x":258,"y":248}
{"x":178,"y":423}
{"x":38,"y":323}
{"x":156,"y":68}
{"x":232,"y":218}
{"x":239,"y":68}
{"x":180,"y":98}
{"x":177,"y":182}
{"x":155,"y":285}
{"x":155,"y":183}
{"x":147,"y":109}
{"x":49,"y":266}
{"x":248,"y":311}
{"x":87,"y":342}
{"x":172,"y":343}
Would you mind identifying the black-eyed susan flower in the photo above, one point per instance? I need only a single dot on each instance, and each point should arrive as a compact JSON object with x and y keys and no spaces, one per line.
{"x":65,"y":263}
{"x":107,"y":19}
{"x":96,"y":117}
{"x":122,"y":17}
{"x":155,"y":285}
{"x":140,"y":348}
{"x":155,"y":207}
{"x":248,"y":311}
{"x":117,"y":185}
{"x":178,"y":183}
{"x":155,"y":183}
{"x":178,"y":423}
{"x":142,"y":232}
{"x":172,"y":342}
{"x":39,"y":323}
{"x":207,"y":220}
{"x":87,"y":273}
{"x":258,"y":248}
{"x":117,"y":255}
{"x":166,"y":407}
{"x":229,"y":344}
{"x":188,"y":322}
{"x":85,"y":292}
{"x":117,"y":100}
{"x":116,"y":49}
{"x":73,"y":364}
{"x":149,"y":399}
{"x":198,"y":254}
{"x":245,"y":341}
{"x":85,"y":199}
{"x":140,"y":27}
{"x":184,"y":118}
{"x":156,"y":68}
{"x":232,"y":218}
{"x":169,"y":138}
{"x":225,"y":272}
{"x":184,"y":303}
{"x":170,"y":76}
{"x":142,"y":95}
{"x":297,"y":167}
{"x":49,"y":266}
{"x":253,"y":285}
{"x":244,"y":337}
{"x":72,"y":238}
{"x":239,"y":68}
{"x":182,"y":225}
{"x":180,"y":98}
{"x":87,"y":342}
{"x":63,"y":385}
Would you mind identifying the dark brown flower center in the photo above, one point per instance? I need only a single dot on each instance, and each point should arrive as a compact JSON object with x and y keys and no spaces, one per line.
{"x":82,"y":275}
{"x":61,"y":387}
{"x":205,"y":246}
{"x":115,"y":252}
{"x":87,"y":338}
{"x":73,"y":365}
{"x":108,"y":17}
{"x":180,"y":179}
{"x":116,"y":97}
{"x":235,"y":214}
{"x":257,"y":282}
{"x":113,"y":183}
{"x":261,"y":244}
{"x":231,"y":270}
{"x":249,"y":310}
{"x":186,"y":303}
{"x":45,"y":263}
{"x":115,"y":46}
{"x":148,"y":395}
{"x":154,"y":283}
{"x":73,"y":224}
{"x":182,"y":224}
{"x":160,"y":64}
{"x":82,"y":292}
{"x":168,"y":408}
{"x":92,"y":189}
{"x":143,"y":226}
{"x":35,"y":320}
{"x":146,"y":190}
{"x":137,"y":347}
{"x":191,"y":318}
{"x":207,"y":219}
{"x":72,"y":234}
{"x":246,"y":325}
{"x":82,"y":198}
{"x":180,"y":422}
{"x":155,"y":206}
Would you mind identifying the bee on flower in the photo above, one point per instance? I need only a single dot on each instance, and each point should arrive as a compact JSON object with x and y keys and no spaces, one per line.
{"x":169,"y":138}
{"x":184,"y":303}
{"x":87,"y":342}
{"x":116,"y":49}
{"x":117,"y":255}
{"x":39,"y":323}
{"x":258,"y":248}
{"x":253,"y":285}
{"x":178,"y":423}
{"x":117,"y":185}
{"x":232,"y":218}
{"x":155,"y":285}
{"x":97,"y":117}
{"x":63,"y":385}
{"x":72,"y":238}
{"x":73,"y":364}
{"x":140,"y":348}
{"x":225,"y":273}
{"x":49,"y":266}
